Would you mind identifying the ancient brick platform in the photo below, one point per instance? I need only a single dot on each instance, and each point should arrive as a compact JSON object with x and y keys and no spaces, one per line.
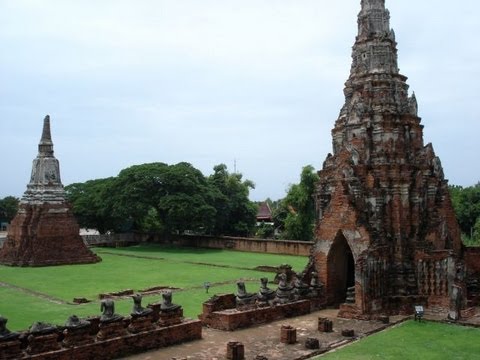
{"x":224,"y":316}
{"x":51,"y":347}
{"x":43,"y":235}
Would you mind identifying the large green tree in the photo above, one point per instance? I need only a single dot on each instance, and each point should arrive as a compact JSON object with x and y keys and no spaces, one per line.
{"x":297,"y":210}
{"x":176,"y":196}
{"x":93,"y":204}
{"x":157,"y":197}
{"x":8,"y":208}
{"x":466,"y":201}
{"x":236,"y":214}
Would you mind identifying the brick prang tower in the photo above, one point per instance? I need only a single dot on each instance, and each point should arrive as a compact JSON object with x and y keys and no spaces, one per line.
{"x":386,"y":233}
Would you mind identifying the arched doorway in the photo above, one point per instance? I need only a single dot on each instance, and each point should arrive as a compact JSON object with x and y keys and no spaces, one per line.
{"x":341,"y":270}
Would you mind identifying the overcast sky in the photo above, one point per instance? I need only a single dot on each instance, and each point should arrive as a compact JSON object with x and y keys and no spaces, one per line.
{"x":210,"y":81}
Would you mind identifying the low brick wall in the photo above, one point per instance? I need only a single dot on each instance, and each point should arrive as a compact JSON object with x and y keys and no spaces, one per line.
{"x":111,"y":240}
{"x":51,"y":346}
{"x":231,"y":319}
{"x":285,"y":247}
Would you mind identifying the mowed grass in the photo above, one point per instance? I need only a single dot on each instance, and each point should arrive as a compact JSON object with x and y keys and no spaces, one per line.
{"x":414,"y":340}
{"x":136,"y":268}
{"x":209,"y":256}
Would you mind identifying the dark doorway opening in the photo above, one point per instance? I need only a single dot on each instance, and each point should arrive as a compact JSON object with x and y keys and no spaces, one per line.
{"x":341,"y":270}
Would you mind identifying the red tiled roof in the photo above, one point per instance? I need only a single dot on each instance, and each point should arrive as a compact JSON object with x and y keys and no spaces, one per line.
{"x":264,"y":212}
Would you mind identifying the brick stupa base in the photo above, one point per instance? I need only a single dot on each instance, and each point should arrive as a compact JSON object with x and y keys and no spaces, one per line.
{"x":43,"y":235}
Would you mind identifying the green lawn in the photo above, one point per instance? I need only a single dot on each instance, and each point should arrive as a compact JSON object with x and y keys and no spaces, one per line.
{"x":209,"y":256}
{"x":414,"y":340}
{"x":142,"y":267}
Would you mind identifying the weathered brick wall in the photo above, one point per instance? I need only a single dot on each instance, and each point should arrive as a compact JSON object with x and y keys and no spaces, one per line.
{"x":51,"y":346}
{"x":42,"y":235}
{"x":286,"y":247}
{"x":231,"y":319}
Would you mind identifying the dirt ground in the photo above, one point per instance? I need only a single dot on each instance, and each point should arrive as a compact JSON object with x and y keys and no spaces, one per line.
{"x":265,"y":339}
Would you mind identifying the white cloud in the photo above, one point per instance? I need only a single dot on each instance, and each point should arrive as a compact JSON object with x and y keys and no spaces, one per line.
{"x":132,"y":81}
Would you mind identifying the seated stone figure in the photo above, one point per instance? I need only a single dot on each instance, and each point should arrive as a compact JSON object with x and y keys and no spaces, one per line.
{"x":107,"y":306}
{"x":6,"y":334}
{"x":138,"y":310}
{"x":167,"y":305}
{"x":243,"y":298}
{"x":301,"y":289}
{"x":284,"y":291}
{"x":315,"y":286}
{"x":265,"y":294}
{"x":74,"y":322}
{"x":40,"y":327}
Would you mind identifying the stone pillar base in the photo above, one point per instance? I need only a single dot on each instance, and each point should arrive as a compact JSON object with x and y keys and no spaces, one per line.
{"x":288,"y":334}
{"x":77,"y":337}
{"x":140,"y":324}
{"x":170,"y":318}
{"x":312,"y":344}
{"x":43,"y":343}
{"x":325,"y":325}
{"x":109,"y":330}
{"x":235,"y":351}
{"x":348,"y":333}
{"x":11,"y":350}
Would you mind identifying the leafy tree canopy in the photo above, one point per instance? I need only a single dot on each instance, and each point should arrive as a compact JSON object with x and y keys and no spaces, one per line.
{"x":8,"y":208}
{"x":466,"y":202}
{"x":165,"y":198}
{"x":236,"y":215}
{"x":296,"y":212}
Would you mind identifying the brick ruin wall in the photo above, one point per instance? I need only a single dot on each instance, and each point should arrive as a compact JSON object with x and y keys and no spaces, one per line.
{"x":91,"y":343}
{"x":222,"y":314}
{"x":285,"y":247}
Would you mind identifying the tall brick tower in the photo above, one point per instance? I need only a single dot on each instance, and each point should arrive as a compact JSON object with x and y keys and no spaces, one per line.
{"x":44,"y":231}
{"x":386,"y":232}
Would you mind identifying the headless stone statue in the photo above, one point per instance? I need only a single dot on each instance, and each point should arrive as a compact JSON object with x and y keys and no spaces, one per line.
{"x":167,"y":305}
{"x":284,"y":290}
{"x":6,"y":334}
{"x":243,"y":298}
{"x":74,"y":322}
{"x":138,"y":310}
{"x":301,"y":289}
{"x":315,"y":286}
{"x":265,"y":294}
{"x":107,"y":306}
{"x":42,"y":328}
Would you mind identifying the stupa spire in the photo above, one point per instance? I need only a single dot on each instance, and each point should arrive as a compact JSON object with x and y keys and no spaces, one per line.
{"x":45,"y":147}
{"x":45,"y":182}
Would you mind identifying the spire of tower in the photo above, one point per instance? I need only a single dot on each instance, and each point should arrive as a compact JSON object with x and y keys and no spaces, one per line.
{"x":45,"y":147}
{"x":46,"y":134}
{"x":373,"y":19}
{"x":375,"y":49}
{"x":373,"y":4}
